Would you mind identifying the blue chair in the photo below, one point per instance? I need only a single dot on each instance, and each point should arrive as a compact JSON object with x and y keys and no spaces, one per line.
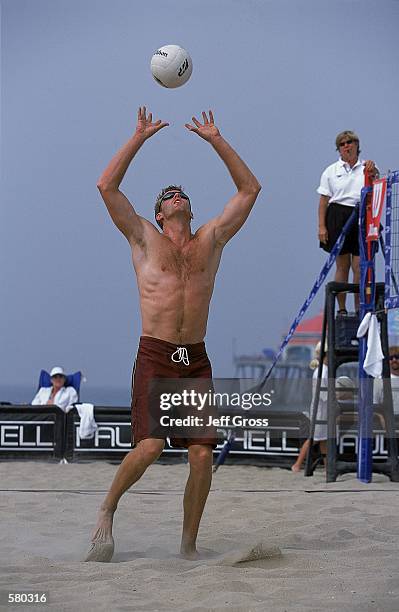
{"x":72,"y":380}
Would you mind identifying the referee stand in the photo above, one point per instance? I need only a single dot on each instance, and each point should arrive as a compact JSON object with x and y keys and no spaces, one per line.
{"x":343,"y":347}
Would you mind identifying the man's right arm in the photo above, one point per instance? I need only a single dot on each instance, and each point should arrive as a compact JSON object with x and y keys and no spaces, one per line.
{"x":122,"y":212}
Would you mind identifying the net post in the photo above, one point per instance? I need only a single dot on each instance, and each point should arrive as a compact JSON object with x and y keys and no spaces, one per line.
{"x":367,"y":304}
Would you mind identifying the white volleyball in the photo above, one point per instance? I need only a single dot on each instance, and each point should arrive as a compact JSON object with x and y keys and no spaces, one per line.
{"x":171,"y":66}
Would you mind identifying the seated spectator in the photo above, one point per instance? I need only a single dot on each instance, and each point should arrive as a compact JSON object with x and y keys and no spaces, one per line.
{"x":58,"y":394}
{"x":344,"y":391}
{"x":378,"y":384}
{"x":320,"y":432}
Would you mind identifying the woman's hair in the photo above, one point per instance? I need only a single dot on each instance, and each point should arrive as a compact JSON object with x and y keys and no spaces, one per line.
{"x":347,"y":134}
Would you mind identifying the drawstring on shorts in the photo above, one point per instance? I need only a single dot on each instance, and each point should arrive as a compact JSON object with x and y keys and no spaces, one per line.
{"x":181,"y":355}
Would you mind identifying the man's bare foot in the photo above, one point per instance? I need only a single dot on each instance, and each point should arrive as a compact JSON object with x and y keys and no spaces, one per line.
{"x":102,"y":542}
{"x":296,"y":468}
{"x":189,"y":552}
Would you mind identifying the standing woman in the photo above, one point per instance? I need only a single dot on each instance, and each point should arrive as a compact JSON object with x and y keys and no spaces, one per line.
{"x":340,"y":189}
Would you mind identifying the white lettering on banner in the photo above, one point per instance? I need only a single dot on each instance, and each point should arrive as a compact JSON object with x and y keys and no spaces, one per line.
{"x":252,"y":438}
{"x":104,"y":433}
{"x":39,"y":442}
{"x":21,"y":438}
{"x":349,"y":442}
{"x":113,"y":440}
{"x":268,"y":445}
{"x":8,"y":434}
{"x":14,"y":435}
{"x":284,"y":445}
{"x":377,"y":198}
{"x":377,"y":203}
{"x":118,"y":439}
{"x":382,"y":450}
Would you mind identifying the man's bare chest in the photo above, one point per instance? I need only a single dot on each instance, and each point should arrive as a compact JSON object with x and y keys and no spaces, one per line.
{"x":182,"y":263}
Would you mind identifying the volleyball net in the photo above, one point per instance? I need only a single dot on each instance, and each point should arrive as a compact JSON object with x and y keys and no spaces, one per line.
{"x":392,"y":241}
{"x":375,"y":195}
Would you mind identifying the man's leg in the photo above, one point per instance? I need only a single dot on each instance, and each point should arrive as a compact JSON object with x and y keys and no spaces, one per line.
{"x":301,"y":457}
{"x":130,"y":470}
{"x":343,"y":263}
{"x":195,"y":496}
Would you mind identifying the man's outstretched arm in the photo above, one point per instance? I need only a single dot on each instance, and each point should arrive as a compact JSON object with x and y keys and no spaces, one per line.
{"x":122,"y":212}
{"x":239,"y":206}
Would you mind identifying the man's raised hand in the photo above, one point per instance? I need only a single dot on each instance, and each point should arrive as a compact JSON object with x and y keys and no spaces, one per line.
{"x":145,"y":127}
{"x":207,"y":130}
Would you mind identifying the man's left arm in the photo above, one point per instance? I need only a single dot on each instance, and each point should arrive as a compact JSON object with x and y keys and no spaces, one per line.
{"x":239,"y":206}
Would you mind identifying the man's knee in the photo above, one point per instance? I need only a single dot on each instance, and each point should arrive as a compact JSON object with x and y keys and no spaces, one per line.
{"x":200,"y":455}
{"x":149,"y":450}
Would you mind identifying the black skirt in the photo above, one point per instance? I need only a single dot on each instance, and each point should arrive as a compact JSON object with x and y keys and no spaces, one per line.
{"x":337,"y":216}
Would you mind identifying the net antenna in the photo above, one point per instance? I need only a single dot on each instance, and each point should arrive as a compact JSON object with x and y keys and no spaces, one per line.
{"x":392,"y":241}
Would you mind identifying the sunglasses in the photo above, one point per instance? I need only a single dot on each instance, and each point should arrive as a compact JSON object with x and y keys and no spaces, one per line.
{"x":58,"y":376}
{"x":394,"y":356}
{"x":345,"y":142}
{"x":171,"y":194}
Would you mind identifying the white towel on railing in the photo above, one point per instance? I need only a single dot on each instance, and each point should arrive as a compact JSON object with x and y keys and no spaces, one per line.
{"x":88,"y":425}
{"x":374,"y":356}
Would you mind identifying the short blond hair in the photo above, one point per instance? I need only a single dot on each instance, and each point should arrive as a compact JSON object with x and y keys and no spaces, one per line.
{"x":347,"y":134}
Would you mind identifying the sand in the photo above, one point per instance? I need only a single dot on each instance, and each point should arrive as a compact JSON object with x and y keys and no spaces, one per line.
{"x":338,"y":541}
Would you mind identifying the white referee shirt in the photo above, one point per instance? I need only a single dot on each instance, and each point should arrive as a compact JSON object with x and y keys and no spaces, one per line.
{"x":63,"y":398}
{"x":342,"y":183}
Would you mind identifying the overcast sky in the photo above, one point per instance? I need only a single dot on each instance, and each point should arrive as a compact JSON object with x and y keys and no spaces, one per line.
{"x":283,"y":78}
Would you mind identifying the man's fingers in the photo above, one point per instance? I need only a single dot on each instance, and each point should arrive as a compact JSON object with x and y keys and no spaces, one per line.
{"x":211,"y":116}
{"x":205,"y":118}
{"x":190,"y":127}
{"x":150,"y":118}
{"x":197,"y":123}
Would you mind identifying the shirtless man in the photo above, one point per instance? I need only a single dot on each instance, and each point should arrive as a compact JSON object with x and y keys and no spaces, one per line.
{"x":175,"y":273}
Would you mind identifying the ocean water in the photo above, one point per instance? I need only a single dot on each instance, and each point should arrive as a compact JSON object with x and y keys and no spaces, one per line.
{"x":100,"y":396}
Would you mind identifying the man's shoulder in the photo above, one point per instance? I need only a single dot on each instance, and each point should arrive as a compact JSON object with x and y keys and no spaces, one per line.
{"x":206,"y":234}
{"x":148,"y":234}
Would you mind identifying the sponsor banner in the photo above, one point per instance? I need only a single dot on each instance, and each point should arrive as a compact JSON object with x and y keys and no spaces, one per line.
{"x":32,"y":431}
{"x":374,"y":212}
{"x":47,"y":432}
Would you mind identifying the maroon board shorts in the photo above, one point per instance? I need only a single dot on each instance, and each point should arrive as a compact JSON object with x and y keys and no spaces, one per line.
{"x":154,"y":361}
